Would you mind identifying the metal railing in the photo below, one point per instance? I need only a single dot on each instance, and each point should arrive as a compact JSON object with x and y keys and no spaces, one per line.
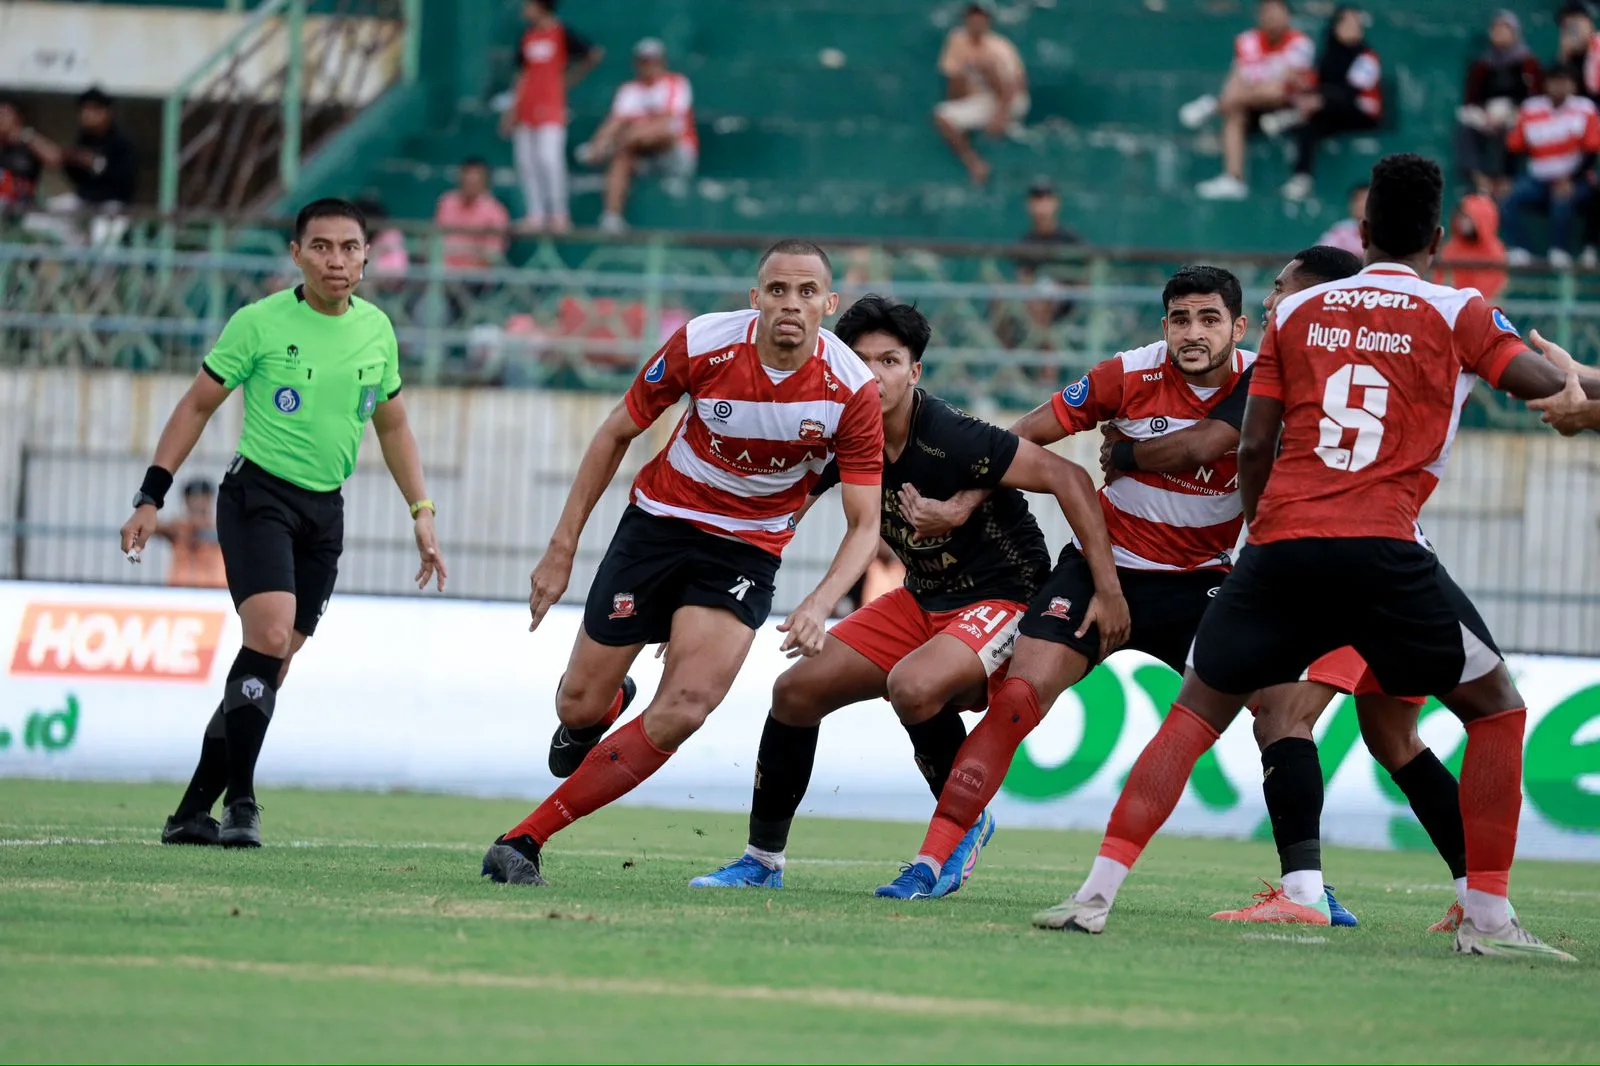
{"x":235,"y":129}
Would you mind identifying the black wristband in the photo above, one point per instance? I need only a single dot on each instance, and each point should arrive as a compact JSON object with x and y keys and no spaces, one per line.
{"x":156,"y":484}
{"x":1122,"y":456}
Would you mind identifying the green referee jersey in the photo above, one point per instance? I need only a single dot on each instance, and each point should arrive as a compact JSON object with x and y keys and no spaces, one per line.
{"x":311,"y":383}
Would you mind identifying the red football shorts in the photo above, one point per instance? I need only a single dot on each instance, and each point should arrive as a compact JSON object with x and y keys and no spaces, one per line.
{"x":1347,"y":671}
{"x":894,"y":625}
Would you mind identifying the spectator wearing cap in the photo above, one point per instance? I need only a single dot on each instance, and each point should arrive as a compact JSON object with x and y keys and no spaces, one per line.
{"x":650,"y":130}
{"x":986,"y":87}
{"x":553,"y":59}
{"x":1559,"y":133}
{"x":1499,"y":80}
{"x":1040,"y":264}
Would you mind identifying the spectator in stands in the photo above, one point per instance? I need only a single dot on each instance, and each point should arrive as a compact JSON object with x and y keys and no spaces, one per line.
{"x":196,"y":555}
{"x":23,"y":154}
{"x":1346,"y":233}
{"x":1474,"y":240}
{"x":986,"y":87}
{"x":1346,"y":96}
{"x":1271,"y":63}
{"x":650,"y":131}
{"x":1498,"y":82}
{"x":1560,"y":134}
{"x":103,"y":167}
{"x":389,"y":258}
{"x":1046,"y":233}
{"x":1579,"y":46}
{"x":553,"y":60}
{"x":474,"y":222}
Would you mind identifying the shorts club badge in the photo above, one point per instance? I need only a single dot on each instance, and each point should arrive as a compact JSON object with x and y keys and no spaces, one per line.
{"x":622,"y":605}
{"x":1059,"y":606}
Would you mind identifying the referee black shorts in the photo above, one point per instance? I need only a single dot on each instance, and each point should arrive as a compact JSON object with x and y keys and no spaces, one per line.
{"x":279,"y":537}
{"x":1291,"y":602}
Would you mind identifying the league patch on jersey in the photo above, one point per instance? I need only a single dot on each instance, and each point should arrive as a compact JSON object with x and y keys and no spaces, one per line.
{"x":286,"y":400}
{"x":1059,"y":608}
{"x":1504,"y":323}
{"x":1076,"y":394}
{"x":657,"y":371}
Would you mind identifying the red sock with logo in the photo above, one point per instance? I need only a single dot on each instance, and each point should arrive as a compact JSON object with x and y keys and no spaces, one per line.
{"x":609,"y":772}
{"x":1156,"y":783}
{"x":1491,"y":798}
{"x":980,"y":766}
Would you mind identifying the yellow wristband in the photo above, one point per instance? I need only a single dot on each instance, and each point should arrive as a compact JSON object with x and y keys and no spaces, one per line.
{"x":420,"y":505}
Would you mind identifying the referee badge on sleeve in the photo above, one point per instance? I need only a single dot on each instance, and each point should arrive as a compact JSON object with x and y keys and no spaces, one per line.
{"x":367,"y":402}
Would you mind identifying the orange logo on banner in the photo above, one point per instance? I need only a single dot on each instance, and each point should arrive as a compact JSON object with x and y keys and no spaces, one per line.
{"x":95,"y":640}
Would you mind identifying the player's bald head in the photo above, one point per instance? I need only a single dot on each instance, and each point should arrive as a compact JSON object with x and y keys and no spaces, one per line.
{"x":800,"y":248}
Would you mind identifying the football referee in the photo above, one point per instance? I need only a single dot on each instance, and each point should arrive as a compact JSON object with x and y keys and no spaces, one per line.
{"x":317,"y":363}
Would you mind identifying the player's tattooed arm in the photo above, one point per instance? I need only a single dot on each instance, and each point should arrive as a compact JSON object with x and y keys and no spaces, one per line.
{"x":600,"y":461}
{"x":1036,"y":470}
{"x":1258,"y":447}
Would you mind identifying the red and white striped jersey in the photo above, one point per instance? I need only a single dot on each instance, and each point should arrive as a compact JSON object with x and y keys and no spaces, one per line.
{"x":753,"y":441}
{"x":1159,"y":521}
{"x":1370,"y":372}
{"x":1258,"y":59}
{"x":669,"y":95}
{"x":1555,"y":139}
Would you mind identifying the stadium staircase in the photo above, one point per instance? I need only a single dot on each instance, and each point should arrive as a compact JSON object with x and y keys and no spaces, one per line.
{"x":795,"y":140}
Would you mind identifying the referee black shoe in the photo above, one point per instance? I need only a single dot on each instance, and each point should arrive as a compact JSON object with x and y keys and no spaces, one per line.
{"x":569,"y":746}
{"x":198,"y":828}
{"x":241,"y":824}
{"x":513,"y":862}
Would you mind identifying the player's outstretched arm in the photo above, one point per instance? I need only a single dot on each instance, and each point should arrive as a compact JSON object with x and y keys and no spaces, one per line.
{"x":804,"y":630}
{"x":178,"y":438}
{"x":1036,"y":470}
{"x":404,"y":460}
{"x":600,"y":461}
{"x":1564,"y":391}
{"x":1258,"y":447}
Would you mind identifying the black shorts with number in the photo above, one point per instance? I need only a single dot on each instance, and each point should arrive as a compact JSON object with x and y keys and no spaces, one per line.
{"x":279,"y":537}
{"x":1165,"y":607}
{"x":656,"y":565}
{"x":1291,"y":602}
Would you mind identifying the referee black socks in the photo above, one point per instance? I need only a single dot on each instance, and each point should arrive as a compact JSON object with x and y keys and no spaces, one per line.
{"x":247,"y":703}
{"x":211,"y":775}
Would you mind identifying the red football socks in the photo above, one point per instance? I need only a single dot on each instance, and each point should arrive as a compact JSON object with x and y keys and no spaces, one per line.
{"x":1491,"y":798}
{"x":1156,"y":783}
{"x":614,"y":711}
{"x":981,"y":765}
{"x":609,"y":772}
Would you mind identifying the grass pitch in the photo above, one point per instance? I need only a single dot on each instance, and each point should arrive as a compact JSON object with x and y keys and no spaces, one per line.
{"x":362,"y":932}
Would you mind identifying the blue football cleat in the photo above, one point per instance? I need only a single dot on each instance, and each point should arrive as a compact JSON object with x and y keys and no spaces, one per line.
{"x":1337,"y":911}
{"x":746,"y":871}
{"x":916,"y":881}
{"x":957,"y":869}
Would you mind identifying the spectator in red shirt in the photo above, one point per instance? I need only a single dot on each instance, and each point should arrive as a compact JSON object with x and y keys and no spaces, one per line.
{"x":1344,"y":98}
{"x":1560,"y":134}
{"x":1498,"y":81}
{"x":553,"y":59}
{"x":1270,"y":64}
{"x":23,"y":156}
{"x":1474,"y":239}
{"x":650,"y":130}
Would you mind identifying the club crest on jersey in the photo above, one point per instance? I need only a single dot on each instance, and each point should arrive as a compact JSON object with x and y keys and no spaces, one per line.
{"x":657,"y":370}
{"x":1077,"y":393}
{"x":622,"y":605}
{"x":1504,"y":323}
{"x":1059,"y":607}
{"x":811,"y":429}
{"x":286,"y":400}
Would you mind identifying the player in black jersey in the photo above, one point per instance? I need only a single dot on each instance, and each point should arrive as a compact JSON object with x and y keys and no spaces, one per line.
{"x":933,"y":646}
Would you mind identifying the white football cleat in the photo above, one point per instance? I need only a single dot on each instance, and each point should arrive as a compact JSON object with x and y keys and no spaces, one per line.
{"x":1075,"y":915}
{"x":1508,"y":940}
